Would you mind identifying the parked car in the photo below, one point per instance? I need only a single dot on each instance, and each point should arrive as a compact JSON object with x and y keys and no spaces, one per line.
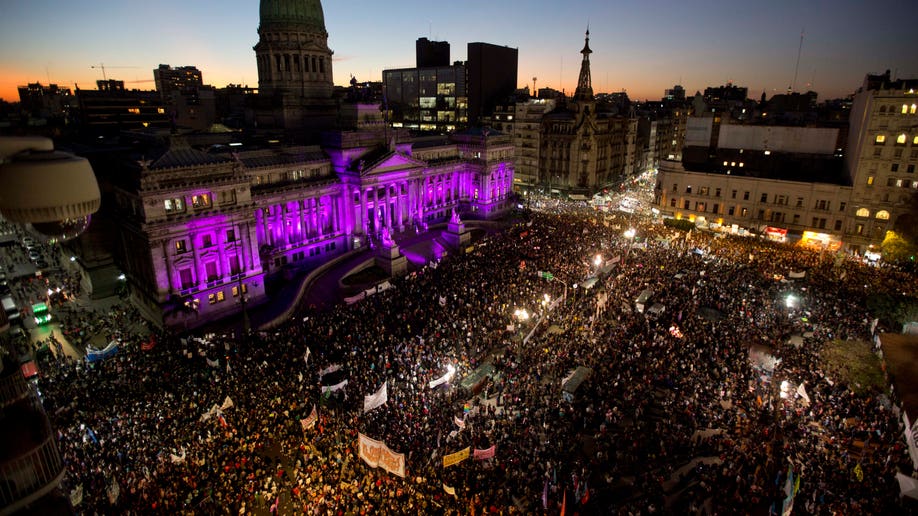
{"x":28,"y":242}
{"x":34,"y":254}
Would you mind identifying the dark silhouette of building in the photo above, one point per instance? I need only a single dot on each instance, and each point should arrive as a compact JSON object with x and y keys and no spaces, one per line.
{"x":427,"y":99}
{"x":431,"y":53}
{"x":111,"y":109}
{"x":295,"y":85}
{"x":183,"y":79}
{"x":492,"y":76}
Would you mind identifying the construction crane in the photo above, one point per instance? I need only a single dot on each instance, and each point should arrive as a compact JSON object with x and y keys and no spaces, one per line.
{"x":102,"y":67}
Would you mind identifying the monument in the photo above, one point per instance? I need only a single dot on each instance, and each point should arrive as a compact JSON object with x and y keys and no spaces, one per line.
{"x":456,"y":235}
{"x":389,"y":257}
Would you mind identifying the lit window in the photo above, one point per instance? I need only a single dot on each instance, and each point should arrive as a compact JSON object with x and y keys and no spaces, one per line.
{"x":901,"y":139}
{"x":176,"y":204}
{"x":869,"y":180}
{"x":180,"y":246}
{"x":883,"y":215}
{"x":768,"y":153}
{"x":160,"y":110}
{"x":133,"y":110}
{"x":236,"y":290}
{"x":200,"y":200}
{"x":741,"y":164}
{"x":725,"y":163}
{"x":863,"y":212}
{"x":915,"y":140}
{"x":904,"y":108}
{"x":881,"y":138}
{"x":913,"y":109}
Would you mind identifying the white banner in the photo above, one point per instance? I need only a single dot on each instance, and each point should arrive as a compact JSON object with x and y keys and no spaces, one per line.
{"x":377,"y":455}
{"x":796,"y":275}
{"x":214,"y":411}
{"x":354,"y":299}
{"x":333,"y":388}
{"x":385,"y":285}
{"x":379,"y":398}
{"x":443,"y":379}
{"x":227,"y":404}
{"x":330,"y":369}
{"x":459,"y":422}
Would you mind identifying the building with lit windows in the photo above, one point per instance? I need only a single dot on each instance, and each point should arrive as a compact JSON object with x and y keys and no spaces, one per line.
{"x":796,"y":183}
{"x":427,"y":99}
{"x":882,"y":157}
{"x":111,"y":109}
{"x":202,"y":230}
{"x":582,"y":150}
{"x":183,"y":79}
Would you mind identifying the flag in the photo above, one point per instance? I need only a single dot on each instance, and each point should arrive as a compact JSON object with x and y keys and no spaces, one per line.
{"x":564,"y":503}
{"x":545,"y":495}
{"x":449,"y":490}
{"x":92,"y":435}
{"x":310,"y":420}
{"x":227,"y":367}
{"x":459,"y":422}
{"x":376,"y":399}
{"x":859,"y":472}
{"x":306,"y":356}
{"x":801,"y":391}
{"x":222,"y":421}
{"x":213,"y":363}
{"x":586,"y":494}
{"x":274,"y":505}
{"x":227,"y":404}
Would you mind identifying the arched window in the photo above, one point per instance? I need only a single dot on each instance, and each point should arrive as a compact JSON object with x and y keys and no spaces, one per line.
{"x":913,"y":109}
{"x":863,"y":212}
{"x":901,"y":139}
{"x":882,"y":110}
{"x":904,"y":108}
{"x":883,"y":215}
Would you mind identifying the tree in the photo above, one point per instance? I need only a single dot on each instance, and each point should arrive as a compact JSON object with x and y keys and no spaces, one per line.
{"x":897,"y":248}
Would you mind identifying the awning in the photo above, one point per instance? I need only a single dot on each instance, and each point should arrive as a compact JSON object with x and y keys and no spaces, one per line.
{"x":29,"y":369}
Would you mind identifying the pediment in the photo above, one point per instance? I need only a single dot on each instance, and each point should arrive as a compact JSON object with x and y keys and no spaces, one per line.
{"x":392,"y":161}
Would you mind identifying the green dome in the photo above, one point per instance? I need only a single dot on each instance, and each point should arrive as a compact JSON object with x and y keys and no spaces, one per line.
{"x":299,"y":12}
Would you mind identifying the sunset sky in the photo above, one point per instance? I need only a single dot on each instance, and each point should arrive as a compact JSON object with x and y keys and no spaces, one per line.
{"x":642,"y":47}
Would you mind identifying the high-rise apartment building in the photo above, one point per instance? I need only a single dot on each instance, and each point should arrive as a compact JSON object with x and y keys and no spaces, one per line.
{"x":492,"y":76}
{"x":183,"y":79}
{"x":430,"y":54}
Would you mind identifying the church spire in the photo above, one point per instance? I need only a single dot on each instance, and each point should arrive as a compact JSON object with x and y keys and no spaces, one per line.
{"x":584,"y":83}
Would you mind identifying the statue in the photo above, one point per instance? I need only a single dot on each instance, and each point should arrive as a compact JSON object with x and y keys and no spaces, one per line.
{"x":454,"y":218}
{"x":386,"y":238}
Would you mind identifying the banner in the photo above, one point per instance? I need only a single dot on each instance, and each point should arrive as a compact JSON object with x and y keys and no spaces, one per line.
{"x":459,"y":422}
{"x":333,"y":388}
{"x":443,"y":379}
{"x":485,"y":454}
{"x":379,"y":398}
{"x":330,"y":369}
{"x":95,"y":355}
{"x":214,"y":411}
{"x":227,"y":404}
{"x":796,"y":275}
{"x":384,"y":286}
{"x":310,"y":420}
{"x":354,"y":299}
{"x":76,"y":496}
{"x":449,"y":490}
{"x":377,"y":455}
{"x":213,"y":363}
{"x":456,"y":458}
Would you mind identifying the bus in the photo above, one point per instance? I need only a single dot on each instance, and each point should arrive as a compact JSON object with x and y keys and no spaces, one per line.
{"x":41,"y":313}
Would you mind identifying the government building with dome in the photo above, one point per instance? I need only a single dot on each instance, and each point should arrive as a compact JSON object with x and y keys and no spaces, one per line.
{"x":202,"y":229}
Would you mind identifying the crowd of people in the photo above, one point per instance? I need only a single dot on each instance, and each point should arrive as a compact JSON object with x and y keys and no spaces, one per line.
{"x":674,"y":419}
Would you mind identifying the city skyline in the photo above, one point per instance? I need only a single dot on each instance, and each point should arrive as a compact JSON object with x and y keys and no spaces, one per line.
{"x":640,"y":48}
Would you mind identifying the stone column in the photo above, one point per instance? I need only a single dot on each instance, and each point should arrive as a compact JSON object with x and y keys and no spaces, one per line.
{"x":168,"y":259}
{"x":376,"y":208}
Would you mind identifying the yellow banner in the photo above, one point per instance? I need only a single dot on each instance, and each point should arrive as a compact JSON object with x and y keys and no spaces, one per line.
{"x":456,"y":458}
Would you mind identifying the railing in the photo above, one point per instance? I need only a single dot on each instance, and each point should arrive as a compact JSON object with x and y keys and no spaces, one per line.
{"x":29,"y":477}
{"x":13,"y":388}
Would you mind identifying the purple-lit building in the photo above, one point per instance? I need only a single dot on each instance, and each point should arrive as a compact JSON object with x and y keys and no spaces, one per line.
{"x":203,"y":230}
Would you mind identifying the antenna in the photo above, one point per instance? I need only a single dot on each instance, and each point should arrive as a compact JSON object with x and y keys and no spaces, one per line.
{"x":797,"y":66}
{"x":535,"y":92}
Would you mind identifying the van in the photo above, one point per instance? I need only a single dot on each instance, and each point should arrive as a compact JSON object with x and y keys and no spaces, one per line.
{"x":12,"y":311}
{"x":643,"y":300}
